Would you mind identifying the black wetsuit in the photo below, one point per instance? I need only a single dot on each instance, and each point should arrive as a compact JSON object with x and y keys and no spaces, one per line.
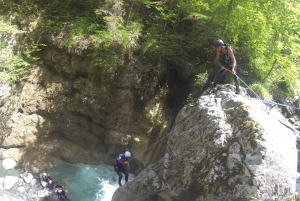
{"x":119,"y":168}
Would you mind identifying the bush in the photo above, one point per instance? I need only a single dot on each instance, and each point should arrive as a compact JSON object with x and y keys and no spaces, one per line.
{"x":261,"y":90}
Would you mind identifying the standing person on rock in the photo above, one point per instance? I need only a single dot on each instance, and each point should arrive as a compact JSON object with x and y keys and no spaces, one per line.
{"x":226,"y":61}
{"x":120,"y":161}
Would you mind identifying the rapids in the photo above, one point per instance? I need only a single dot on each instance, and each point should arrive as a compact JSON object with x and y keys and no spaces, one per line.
{"x":87,"y":182}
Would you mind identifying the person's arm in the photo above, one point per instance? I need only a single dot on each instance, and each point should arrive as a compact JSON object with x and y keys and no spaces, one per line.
{"x":230,"y":53}
{"x":218,"y":59}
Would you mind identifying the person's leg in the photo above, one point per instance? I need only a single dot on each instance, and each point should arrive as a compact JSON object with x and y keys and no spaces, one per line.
{"x":124,"y":171}
{"x":217,"y":79}
{"x":237,"y":87}
{"x":119,"y":173}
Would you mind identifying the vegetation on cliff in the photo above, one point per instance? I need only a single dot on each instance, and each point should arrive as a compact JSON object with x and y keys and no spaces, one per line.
{"x":170,"y":34}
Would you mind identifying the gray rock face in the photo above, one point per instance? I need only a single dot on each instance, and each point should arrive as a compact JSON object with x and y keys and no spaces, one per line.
{"x":79,"y":120}
{"x":223,"y":147}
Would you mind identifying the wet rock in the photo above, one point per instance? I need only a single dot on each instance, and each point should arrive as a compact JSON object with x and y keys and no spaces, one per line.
{"x":16,"y":188}
{"x":28,"y":177}
{"x":43,"y":193}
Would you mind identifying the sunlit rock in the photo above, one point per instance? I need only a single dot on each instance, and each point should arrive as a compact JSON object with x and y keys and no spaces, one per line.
{"x":9,"y":182}
{"x":43,"y":193}
{"x":9,"y":163}
{"x":28,"y":177}
{"x":7,"y":196}
{"x":222,"y":147}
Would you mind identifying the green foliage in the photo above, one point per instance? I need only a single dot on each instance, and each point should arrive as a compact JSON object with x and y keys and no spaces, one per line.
{"x":12,"y":66}
{"x":201,"y":79}
{"x":261,"y":90}
{"x":190,"y":99}
{"x":210,"y":188}
{"x":143,"y":91}
{"x":179,"y":34}
{"x":30,"y":48}
{"x":103,"y":30}
{"x":59,"y":26}
{"x":109,"y":59}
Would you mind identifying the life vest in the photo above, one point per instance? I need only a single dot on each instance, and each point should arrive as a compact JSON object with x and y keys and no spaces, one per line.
{"x":120,"y":160}
{"x":45,"y":178}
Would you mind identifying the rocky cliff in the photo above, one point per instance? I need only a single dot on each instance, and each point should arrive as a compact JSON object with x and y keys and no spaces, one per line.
{"x":223,"y":147}
{"x":67,"y":109}
{"x":77,"y":120}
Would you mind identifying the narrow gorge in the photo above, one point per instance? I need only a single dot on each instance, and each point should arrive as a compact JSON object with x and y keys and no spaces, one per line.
{"x":82,"y":101}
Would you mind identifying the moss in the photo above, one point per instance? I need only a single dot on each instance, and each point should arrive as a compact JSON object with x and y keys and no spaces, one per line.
{"x":210,"y":188}
{"x":249,"y":124}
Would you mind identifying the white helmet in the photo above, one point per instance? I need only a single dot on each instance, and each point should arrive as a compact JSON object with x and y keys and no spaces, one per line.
{"x":44,"y":174}
{"x":50,"y":181}
{"x":127,"y":154}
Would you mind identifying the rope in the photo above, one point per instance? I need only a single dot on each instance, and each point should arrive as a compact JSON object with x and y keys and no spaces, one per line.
{"x":269,"y":103}
{"x":266,"y":102}
{"x":274,"y":103}
{"x":286,"y":105}
{"x":165,"y":135}
{"x":249,"y":87}
{"x":149,"y":147}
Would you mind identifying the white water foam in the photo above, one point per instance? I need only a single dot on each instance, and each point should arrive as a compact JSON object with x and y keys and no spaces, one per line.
{"x":106,"y":190}
{"x":87,"y":182}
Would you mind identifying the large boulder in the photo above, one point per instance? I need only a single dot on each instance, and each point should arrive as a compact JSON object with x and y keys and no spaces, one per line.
{"x":223,"y":147}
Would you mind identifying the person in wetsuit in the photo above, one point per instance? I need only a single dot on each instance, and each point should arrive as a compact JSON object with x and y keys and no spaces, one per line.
{"x":226,"y":61}
{"x":45,"y":177}
{"x":120,"y":161}
{"x":60,"y":193}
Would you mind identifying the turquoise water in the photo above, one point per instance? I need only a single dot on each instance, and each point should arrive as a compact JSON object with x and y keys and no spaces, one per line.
{"x":87,"y":182}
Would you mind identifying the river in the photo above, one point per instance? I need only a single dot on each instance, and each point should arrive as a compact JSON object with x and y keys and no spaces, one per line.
{"x":87,"y":182}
